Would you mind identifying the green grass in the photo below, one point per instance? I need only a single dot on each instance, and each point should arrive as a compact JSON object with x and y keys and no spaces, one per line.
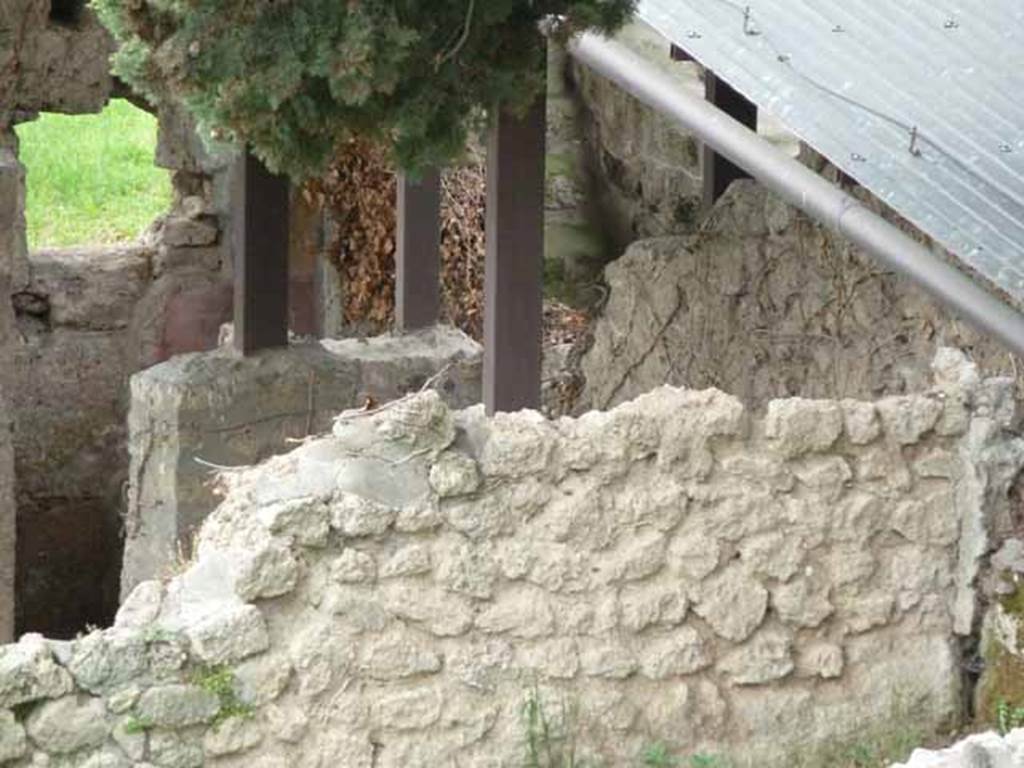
{"x":91,"y":178}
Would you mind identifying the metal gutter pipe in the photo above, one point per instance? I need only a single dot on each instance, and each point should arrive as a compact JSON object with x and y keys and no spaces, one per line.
{"x":803,"y":188}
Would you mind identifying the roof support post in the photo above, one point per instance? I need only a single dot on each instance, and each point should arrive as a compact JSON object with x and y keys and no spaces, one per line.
{"x":514,"y":266}
{"x":804,"y":189}
{"x":418,"y":251}
{"x":678,"y":54}
{"x":260,"y":256}
{"x":719,"y":172}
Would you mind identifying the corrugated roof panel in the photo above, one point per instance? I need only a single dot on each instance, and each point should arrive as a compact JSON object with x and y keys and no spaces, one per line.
{"x":854,"y":78}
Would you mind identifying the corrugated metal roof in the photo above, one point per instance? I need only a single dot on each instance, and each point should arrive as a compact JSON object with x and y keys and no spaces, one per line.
{"x":854,"y":78}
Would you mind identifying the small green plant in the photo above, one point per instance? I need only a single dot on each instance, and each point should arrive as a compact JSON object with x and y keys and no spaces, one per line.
{"x":136,"y":725}
{"x":658,"y":756}
{"x":222,"y":683}
{"x":549,"y":743}
{"x":1008,"y":717}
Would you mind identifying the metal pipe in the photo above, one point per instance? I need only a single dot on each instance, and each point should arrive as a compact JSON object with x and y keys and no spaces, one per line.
{"x":803,"y":188}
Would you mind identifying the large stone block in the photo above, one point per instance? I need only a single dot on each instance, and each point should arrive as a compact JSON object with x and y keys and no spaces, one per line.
{"x":198,"y":412}
{"x":92,"y":288}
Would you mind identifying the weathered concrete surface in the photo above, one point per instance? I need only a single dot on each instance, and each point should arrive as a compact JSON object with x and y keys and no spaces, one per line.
{"x":764,"y":303}
{"x":10,"y":209}
{"x":649,"y":171}
{"x":575,"y":243}
{"x":676,"y":570}
{"x":983,"y":749}
{"x":225,"y":410}
{"x":87,"y":318}
{"x":70,"y":391}
{"x":50,"y":65}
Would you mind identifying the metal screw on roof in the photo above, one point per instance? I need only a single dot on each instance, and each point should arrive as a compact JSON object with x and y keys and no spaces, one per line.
{"x":693,"y":34}
{"x":951,"y":24}
{"x":748,"y":26}
{"x":914,"y":149}
{"x":1006,"y":148}
{"x":858,"y":158}
{"x":784,"y":58}
{"x":838,"y":28}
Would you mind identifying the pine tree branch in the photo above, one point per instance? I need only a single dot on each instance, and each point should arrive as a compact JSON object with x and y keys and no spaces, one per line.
{"x":453,"y":52}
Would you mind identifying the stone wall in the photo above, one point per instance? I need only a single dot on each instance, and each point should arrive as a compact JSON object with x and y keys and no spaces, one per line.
{"x":87,"y":318}
{"x":9,"y":208}
{"x":675,"y":570}
{"x":762,"y":302}
{"x":648,"y":170}
{"x":200,"y":411}
{"x":751,"y":297}
{"x":989,"y":748}
{"x":49,"y":62}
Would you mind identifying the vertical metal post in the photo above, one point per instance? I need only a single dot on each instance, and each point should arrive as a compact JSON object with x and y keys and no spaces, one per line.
{"x":261,"y":257}
{"x":514,"y":267}
{"x":719,"y":172}
{"x":418,"y":251}
{"x":678,"y":54}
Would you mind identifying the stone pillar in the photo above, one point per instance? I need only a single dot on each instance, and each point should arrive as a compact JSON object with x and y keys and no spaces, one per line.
{"x":12,"y":234}
{"x":200,"y":412}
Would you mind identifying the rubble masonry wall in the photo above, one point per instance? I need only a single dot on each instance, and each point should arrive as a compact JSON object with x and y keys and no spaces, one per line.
{"x":676,"y":570}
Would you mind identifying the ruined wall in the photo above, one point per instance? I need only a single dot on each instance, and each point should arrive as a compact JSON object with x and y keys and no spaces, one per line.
{"x":763,"y":302}
{"x":751,"y":297}
{"x":88,"y":317}
{"x":649,"y":178}
{"x":9,"y":209}
{"x":54,"y":56}
{"x":675,"y":571}
{"x":197,"y":412}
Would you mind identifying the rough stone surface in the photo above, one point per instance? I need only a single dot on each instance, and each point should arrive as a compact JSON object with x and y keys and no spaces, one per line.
{"x":764,"y":303}
{"x":665,"y":574}
{"x":86,"y":319}
{"x":13,"y":743}
{"x":29,"y":672}
{"x":11,"y":241}
{"x":198,"y":412}
{"x":70,"y":373}
{"x":177,"y":706}
{"x":61,"y":64}
{"x":68,"y":725}
{"x":648,"y":169}
{"x":982,"y":750}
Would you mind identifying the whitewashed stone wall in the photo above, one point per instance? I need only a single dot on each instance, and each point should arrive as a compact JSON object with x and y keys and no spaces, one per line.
{"x":675,"y":570}
{"x":983,"y":749}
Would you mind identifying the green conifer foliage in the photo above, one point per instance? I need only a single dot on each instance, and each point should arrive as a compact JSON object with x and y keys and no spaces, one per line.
{"x":294,"y":78}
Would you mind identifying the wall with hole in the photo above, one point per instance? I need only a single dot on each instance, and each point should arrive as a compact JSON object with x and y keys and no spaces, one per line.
{"x":87,"y":316}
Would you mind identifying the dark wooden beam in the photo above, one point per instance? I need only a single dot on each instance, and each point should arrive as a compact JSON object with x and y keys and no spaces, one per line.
{"x":514,"y":270}
{"x":678,"y":54}
{"x":719,"y":172}
{"x":418,"y":252}
{"x":261,"y":257}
